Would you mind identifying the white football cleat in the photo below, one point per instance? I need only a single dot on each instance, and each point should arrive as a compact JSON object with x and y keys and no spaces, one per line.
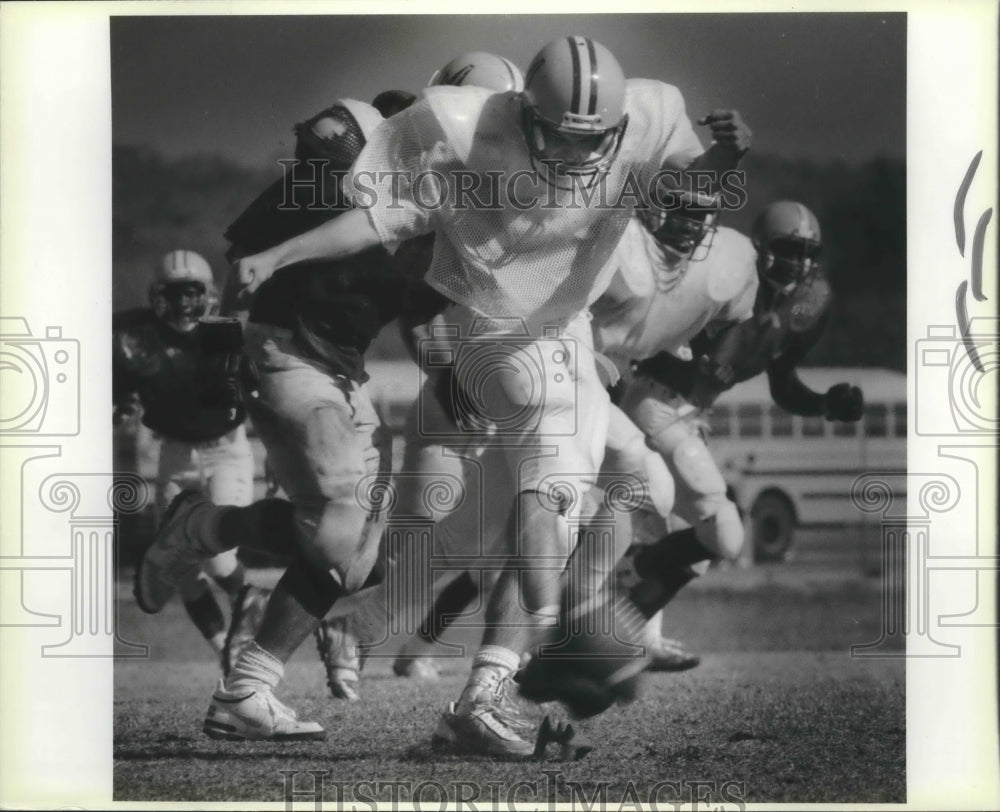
{"x":172,"y":557}
{"x":255,"y":715}
{"x":485,"y":721}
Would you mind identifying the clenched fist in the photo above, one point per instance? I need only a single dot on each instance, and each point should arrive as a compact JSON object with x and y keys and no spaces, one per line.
{"x":253,"y":271}
{"x":843,"y":402}
{"x":728,"y":130}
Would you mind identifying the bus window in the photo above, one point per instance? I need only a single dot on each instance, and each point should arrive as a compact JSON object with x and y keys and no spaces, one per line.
{"x":899,"y":419}
{"x":719,"y":421}
{"x":750,"y":418}
{"x":813,"y":426}
{"x":876,"y":419}
{"x":841,"y":429}
{"x":781,"y":422}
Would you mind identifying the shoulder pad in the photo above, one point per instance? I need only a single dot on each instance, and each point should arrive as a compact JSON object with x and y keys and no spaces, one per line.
{"x":730,"y":265}
{"x":647,"y":92}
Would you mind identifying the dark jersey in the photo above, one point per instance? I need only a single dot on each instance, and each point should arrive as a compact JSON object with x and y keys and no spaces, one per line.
{"x":169,"y":371}
{"x":334,"y":309}
{"x":776,"y":339}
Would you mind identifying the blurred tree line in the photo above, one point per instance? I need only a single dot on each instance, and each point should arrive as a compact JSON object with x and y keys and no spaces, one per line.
{"x":161,"y":204}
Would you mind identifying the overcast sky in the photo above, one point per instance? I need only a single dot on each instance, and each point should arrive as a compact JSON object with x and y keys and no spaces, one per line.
{"x":810,"y":85}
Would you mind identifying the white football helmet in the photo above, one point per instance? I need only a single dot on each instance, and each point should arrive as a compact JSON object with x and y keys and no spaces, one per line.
{"x":788,"y":241}
{"x":574,"y":110}
{"x":480,"y":69}
{"x":183,"y":290}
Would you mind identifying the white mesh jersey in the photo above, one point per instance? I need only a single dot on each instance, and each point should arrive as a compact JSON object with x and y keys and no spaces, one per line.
{"x":531,"y":252}
{"x":653,"y":304}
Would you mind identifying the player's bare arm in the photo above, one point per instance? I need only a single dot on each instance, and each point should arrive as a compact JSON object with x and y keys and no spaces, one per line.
{"x":342,"y":237}
{"x":731,"y":139}
{"x":840,"y":402}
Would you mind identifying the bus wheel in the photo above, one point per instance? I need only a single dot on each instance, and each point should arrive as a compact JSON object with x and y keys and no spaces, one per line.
{"x":773,"y":522}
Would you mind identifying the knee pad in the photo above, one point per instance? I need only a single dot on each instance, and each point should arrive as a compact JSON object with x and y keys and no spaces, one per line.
{"x":314,"y":588}
{"x":694,"y":467}
{"x":722,"y":531}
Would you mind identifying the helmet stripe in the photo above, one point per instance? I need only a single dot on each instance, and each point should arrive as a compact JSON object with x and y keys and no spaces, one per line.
{"x":575,"y":55}
{"x":510,"y":70}
{"x":593,"y":77}
{"x":804,"y":225}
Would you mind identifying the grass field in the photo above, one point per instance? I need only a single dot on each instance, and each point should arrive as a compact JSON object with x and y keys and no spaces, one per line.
{"x":778,"y":711}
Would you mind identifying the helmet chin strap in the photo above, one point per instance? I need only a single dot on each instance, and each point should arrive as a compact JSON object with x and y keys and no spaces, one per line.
{"x":675,"y":256}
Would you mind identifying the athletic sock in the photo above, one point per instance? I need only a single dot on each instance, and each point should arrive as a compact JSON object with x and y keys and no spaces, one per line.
{"x":496,"y":657}
{"x":254,"y":669}
{"x":490,"y":665}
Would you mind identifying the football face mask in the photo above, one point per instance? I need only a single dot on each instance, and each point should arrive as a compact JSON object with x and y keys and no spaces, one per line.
{"x":686,"y":227}
{"x":182,"y":304}
{"x":789,"y":260}
{"x":564,"y":157}
{"x":573,"y":112}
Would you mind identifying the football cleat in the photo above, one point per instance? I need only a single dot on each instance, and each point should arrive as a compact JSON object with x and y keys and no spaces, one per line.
{"x":255,"y":715}
{"x":670,"y":655}
{"x":485,"y":721}
{"x":338,"y":650}
{"x":171,"y":559}
{"x":248,"y":612}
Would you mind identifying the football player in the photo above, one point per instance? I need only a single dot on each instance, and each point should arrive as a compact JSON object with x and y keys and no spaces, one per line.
{"x":531,"y":270}
{"x":307,"y":332}
{"x":425,"y":460}
{"x":660,"y":296}
{"x":677,"y":273}
{"x":161,"y":368}
{"x":669,"y":394}
{"x":520,"y":276}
